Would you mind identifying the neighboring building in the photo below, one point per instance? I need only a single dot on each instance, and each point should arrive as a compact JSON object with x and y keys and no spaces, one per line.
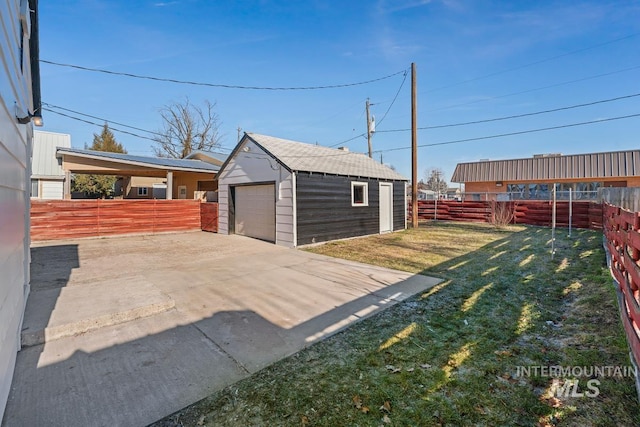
{"x":534,"y":177}
{"x":47,"y":176}
{"x":179,"y":178}
{"x":292,"y":193}
{"x":454,"y":193}
{"x":19,"y":105}
{"x":426,"y":194}
{"x":141,"y":187}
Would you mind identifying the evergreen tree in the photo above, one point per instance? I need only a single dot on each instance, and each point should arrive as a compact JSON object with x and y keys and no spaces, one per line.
{"x":106,"y":141}
{"x":99,"y":185}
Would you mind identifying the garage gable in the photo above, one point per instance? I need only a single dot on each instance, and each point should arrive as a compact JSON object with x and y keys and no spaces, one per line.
{"x":256,"y":196}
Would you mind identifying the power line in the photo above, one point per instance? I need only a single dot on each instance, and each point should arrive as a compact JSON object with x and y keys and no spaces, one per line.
{"x":512,"y":133}
{"x":45,"y":104}
{"x":97,"y":124}
{"x":225,"y":86}
{"x":537,"y":89}
{"x":533,"y":63}
{"x":350,"y":139}
{"x":404,"y":78}
{"x":517,"y":116}
{"x":108,"y":122}
{"x":383,"y":117}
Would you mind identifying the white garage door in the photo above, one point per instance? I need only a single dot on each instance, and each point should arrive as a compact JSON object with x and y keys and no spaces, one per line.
{"x":255,"y":213}
{"x":52,"y":190}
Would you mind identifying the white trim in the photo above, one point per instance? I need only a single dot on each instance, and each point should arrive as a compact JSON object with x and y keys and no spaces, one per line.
{"x":365,"y":193}
{"x":294,"y":202}
{"x":390,"y":185}
{"x":137,"y":163}
{"x":405,"y":205}
{"x":143,"y":191}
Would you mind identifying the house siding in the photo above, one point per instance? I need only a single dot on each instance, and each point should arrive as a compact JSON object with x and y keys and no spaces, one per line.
{"x":253,"y":167}
{"x":324,"y":210}
{"x":15,"y":186}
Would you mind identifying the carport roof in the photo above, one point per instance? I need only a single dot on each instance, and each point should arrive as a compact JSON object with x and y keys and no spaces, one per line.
{"x":301,"y":157}
{"x":186,"y":165}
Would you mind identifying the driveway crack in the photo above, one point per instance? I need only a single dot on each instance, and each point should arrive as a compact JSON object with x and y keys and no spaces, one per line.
{"x":221,"y":349}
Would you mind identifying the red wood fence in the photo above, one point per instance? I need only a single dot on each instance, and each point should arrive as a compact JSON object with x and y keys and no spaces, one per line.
{"x":209,"y":217}
{"x":622,"y":239}
{"x":65,"y":219}
{"x":532,"y":212}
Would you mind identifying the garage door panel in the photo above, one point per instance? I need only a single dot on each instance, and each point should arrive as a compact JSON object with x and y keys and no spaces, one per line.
{"x":255,"y":212}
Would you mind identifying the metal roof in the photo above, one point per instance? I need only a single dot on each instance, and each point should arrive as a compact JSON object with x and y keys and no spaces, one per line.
{"x":614,"y":164}
{"x":44,"y":163}
{"x":151,"y":162}
{"x":301,"y":157}
{"x":207,"y":156}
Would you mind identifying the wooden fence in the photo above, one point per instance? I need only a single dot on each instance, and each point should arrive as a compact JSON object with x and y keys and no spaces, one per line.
{"x":209,"y":217}
{"x":532,"y":212}
{"x":622,"y":239}
{"x":66,"y":219}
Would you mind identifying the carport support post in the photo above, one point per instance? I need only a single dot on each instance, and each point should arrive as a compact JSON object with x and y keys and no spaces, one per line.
{"x":169,"y":185}
{"x":67,"y":185}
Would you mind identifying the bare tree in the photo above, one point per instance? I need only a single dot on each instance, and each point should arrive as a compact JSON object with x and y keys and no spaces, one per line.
{"x":435,"y":180}
{"x":187,"y":127}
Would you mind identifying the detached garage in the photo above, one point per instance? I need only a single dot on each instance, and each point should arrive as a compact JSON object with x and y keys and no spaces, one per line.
{"x":292,"y":193}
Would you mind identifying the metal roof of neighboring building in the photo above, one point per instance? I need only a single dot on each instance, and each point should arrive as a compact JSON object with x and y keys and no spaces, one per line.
{"x":152,"y":162}
{"x":547,"y":167}
{"x":207,"y":156}
{"x":301,"y":157}
{"x":44,"y":163}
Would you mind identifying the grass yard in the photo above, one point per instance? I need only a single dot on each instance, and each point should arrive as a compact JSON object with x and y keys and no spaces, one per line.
{"x":451,"y":356}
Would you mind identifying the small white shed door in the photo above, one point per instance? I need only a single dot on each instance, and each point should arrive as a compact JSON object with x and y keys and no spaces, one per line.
{"x":386,"y":207}
{"x":255,"y":211}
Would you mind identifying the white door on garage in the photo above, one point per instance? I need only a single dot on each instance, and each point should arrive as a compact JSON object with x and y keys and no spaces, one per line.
{"x":255,"y":211}
{"x":386,"y":207}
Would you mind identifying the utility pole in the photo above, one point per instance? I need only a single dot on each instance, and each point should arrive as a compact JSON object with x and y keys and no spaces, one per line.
{"x":414,"y":147}
{"x":369,"y":130}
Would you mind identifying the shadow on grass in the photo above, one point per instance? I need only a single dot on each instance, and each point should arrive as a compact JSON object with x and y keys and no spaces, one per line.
{"x":453,"y":355}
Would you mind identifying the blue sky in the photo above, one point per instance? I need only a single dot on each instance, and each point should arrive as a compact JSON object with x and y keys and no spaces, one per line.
{"x":476,"y":60}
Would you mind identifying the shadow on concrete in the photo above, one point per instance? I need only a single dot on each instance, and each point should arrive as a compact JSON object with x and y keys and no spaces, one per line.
{"x":138,"y":372}
{"x":50,"y":271}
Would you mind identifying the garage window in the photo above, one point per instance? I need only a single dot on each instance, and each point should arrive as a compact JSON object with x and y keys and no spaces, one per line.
{"x":359,"y":194}
{"x":143,"y":191}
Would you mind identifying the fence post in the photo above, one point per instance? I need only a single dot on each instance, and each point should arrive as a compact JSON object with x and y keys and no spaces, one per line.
{"x":570,"y":210}
{"x":435,"y":210}
{"x":553,"y":224}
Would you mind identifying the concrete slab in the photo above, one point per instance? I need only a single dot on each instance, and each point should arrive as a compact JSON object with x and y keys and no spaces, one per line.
{"x":93,"y":308}
{"x":238,"y":305}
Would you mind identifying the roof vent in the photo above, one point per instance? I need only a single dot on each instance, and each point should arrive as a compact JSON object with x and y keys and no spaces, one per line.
{"x":539,"y":156}
{"x":343,"y":148}
{"x":485,"y":160}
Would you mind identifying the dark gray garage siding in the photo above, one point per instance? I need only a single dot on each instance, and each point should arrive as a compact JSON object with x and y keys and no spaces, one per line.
{"x":324,"y":210}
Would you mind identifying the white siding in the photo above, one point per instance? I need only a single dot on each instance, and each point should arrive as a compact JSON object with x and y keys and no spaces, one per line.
{"x":51,"y":190}
{"x":15,"y":152}
{"x":255,"y":166}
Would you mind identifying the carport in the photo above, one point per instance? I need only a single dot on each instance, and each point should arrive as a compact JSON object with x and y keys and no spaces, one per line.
{"x":183,"y":177}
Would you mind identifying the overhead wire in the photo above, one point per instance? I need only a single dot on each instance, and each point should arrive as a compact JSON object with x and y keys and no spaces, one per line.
{"x":535,"y":89}
{"x":515,"y":116}
{"x":220,"y":85}
{"x":111,"y":127}
{"x":404,"y":78}
{"x":532,"y":63}
{"x":46,"y":104}
{"x":512,"y":133}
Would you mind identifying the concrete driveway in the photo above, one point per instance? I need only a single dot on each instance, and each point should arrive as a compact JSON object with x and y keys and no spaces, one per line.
{"x":125,"y":331}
